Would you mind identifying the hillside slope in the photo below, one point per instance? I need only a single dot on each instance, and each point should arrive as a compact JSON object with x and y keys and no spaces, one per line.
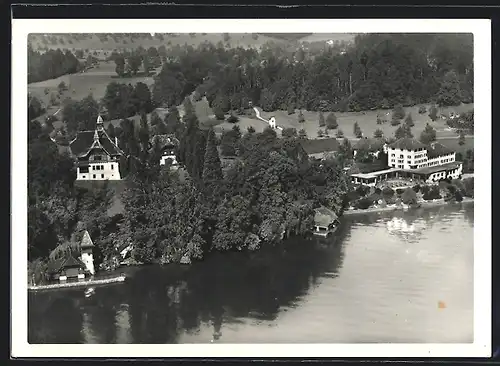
{"x":108,"y":42}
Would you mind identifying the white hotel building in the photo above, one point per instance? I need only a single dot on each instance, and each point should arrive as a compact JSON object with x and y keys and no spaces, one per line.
{"x":97,"y":155}
{"x":409,"y":158}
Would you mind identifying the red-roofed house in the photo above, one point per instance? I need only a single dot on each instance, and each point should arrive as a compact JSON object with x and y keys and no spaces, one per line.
{"x":97,"y":154}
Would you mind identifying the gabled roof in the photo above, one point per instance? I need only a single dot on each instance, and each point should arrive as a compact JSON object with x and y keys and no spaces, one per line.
{"x":435,"y":149}
{"x":407,"y":143}
{"x":369,"y":144}
{"x":324,"y":216}
{"x":320,"y":145}
{"x":86,"y":241}
{"x":68,"y":261}
{"x":84,"y":142}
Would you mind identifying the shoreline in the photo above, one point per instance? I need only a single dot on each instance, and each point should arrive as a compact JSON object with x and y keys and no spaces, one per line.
{"x":86,"y":283}
{"x":423,"y":204}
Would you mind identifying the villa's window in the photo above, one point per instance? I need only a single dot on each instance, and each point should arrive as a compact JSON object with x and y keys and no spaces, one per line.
{"x":112,"y":167}
{"x":93,"y":176}
{"x":102,"y":167}
{"x":84,"y":169}
{"x":97,"y":157}
{"x":102,"y":175}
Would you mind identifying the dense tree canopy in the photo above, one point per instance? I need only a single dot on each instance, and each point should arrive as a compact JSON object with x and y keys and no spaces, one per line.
{"x":269,"y":192}
{"x":378,"y":71}
{"x":50,"y":64}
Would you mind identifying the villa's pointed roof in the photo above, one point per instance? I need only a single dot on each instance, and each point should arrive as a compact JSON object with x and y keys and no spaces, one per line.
{"x":86,"y":241}
{"x":85,"y":141}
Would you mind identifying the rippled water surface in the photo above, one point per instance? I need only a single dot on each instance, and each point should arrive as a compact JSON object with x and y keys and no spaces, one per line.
{"x":384,"y":277}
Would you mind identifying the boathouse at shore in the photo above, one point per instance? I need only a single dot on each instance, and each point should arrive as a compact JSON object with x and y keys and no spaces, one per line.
{"x":69,"y":266}
{"x":325,"y":221}
{"x":66,"y":268}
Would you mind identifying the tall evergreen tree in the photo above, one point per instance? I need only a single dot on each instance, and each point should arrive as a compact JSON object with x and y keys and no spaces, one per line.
{"x":449,"y":93}
{"x":321,"y":119}
{"x":212,"y":170}
{"x":144,"y":136}
{"x":428,"y":134}
{"x":331,"y":121}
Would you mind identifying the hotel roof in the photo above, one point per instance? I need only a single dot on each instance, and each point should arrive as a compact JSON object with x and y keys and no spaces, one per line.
{"x":435,"y":169}
{"x":375,"y":174}
{"x":407,"y":143}
{"x":436,"y":149}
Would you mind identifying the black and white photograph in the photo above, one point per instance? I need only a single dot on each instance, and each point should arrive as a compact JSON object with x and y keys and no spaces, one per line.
{"x":226,"y":184}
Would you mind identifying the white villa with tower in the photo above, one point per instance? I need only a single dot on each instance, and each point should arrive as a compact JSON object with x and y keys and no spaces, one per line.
{"x":409,"y":158}
{"x":97,"y":155}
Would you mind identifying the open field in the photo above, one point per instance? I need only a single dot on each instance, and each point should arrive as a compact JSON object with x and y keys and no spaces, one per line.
{"x":244,"y":122}
{"x":318,"y":37}
{"x":366,"y":120}
{"x":81,"y":85}
{"x":93,"y":43}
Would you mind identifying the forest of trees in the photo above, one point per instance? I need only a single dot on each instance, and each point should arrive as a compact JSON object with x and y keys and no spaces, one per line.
{"x":378,"y":71}
{"x":50,"y":64}
{"x":269,"y":192}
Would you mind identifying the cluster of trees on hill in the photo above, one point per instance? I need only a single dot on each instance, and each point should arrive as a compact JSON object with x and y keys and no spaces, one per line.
{"x":378,"y":71}
{"x":129,"y":62}
{"x":50,"y":64}
{"x":269,"y":192}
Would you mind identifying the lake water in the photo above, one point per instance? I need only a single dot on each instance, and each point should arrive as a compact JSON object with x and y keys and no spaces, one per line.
{"x":383,"y":277}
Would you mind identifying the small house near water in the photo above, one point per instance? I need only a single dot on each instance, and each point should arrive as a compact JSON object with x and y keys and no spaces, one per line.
{"x":69,"y":266}
{"x":66,"y":268}
{"x":325,"y":221}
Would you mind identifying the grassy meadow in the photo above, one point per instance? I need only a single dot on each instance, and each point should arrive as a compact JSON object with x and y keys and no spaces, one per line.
{"x":367,"y":121}
{"x":93,"y":43}
{"x":95,"y":81}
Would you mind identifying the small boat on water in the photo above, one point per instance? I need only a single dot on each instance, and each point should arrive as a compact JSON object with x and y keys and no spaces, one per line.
{"x":89,"y":292}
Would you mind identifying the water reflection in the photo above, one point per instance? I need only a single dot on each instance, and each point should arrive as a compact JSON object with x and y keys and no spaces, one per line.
{"x":159,"y":302}
{"x":214,"y":299}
